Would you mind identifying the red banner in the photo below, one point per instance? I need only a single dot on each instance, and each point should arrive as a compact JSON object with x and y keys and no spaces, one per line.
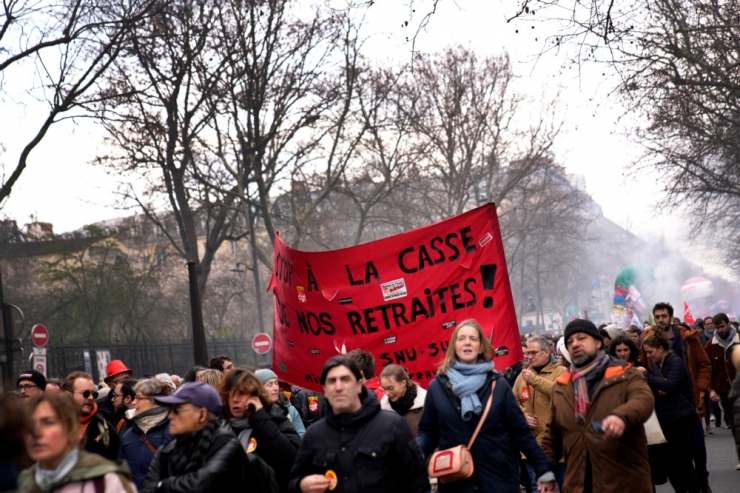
{"x":398,"y":298}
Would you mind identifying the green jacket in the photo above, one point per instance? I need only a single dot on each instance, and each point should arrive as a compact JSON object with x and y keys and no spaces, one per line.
{"x":89,"y":466}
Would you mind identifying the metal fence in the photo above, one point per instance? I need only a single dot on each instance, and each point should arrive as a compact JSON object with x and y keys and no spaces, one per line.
{"x":145,"y":359}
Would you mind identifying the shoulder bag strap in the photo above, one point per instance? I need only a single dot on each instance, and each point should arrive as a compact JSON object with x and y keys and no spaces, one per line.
{"x":148,"y":444}
{"x":483,"y":416}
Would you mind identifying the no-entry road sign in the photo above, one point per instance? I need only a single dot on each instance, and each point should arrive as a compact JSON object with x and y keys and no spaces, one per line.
{"x":39,"y":335}
{"x":261,"y":343}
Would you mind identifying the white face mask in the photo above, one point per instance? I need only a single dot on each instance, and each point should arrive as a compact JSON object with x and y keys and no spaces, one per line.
{"x":130,"y":413}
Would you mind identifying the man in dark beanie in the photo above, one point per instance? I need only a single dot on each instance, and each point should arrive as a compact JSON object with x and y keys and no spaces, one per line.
{"x":598,"y":409}
{"x":30,"y":383}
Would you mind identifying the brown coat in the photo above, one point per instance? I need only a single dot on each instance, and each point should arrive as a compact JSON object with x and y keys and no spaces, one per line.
{"x":538,"y":394}
{"x":696,"y":360}
{"x":723,"y":371}
{"x":617,"y":465}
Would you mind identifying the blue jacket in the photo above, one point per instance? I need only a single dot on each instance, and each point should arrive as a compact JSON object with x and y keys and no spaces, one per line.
{"x":496,"y":450}
{"x":135,"y":451}
{"x":671,"y":384}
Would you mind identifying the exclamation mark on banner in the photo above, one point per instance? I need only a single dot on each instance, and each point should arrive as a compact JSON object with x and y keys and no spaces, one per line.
{"x":488,"y":273}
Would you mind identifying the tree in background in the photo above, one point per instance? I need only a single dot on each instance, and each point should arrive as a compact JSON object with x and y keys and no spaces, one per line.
{"x":63,"y":48}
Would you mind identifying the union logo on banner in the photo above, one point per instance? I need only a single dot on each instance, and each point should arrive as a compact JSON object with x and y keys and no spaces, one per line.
{"x":397,"y":298}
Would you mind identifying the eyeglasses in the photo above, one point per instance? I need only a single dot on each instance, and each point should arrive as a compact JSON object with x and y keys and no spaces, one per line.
{"x":531,"y":353}
{"x":27,"y":387}
{"x":87,"y":393}
{"x":142,"y":398}
{"x":177,"y":410}
{"x":113,"y":395}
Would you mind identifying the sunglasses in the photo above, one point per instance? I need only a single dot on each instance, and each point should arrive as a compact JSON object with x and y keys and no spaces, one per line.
{"x":178,"y":409}
{"x":86,"y":394}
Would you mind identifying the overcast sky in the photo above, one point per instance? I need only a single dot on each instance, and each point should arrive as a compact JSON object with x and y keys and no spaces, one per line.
{"x":62,"y":187}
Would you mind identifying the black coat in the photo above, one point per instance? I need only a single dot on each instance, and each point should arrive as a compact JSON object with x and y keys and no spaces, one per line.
{"x":277,"y":440}
{"x":95,"y":438}
{"x":671,"y":384}
{"x":369,"y":450}
{"x":223,"y":471}
{"x":496,"y":450}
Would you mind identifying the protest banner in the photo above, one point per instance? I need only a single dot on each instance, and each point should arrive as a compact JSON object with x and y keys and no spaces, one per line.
{"x":398,"y":298}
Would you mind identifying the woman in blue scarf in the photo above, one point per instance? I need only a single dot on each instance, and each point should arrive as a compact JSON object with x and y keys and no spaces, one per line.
{"x":453,"y":407}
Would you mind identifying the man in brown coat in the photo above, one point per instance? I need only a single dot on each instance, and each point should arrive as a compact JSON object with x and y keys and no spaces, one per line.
{"x":719,"y":349}
{"x":596,"y":419}
{"x":533,"y":388}
{"x":686,"y":343}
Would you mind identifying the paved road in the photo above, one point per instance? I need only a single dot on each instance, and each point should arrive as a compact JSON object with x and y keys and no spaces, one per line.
{"x":721,"y":462}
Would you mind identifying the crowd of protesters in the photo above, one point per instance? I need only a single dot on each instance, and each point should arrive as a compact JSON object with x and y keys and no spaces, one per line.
{"x":600,"y":409}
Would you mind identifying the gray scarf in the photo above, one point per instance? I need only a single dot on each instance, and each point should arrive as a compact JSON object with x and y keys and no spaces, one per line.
{"x":47,"y":479}
{"x":146,"y":420}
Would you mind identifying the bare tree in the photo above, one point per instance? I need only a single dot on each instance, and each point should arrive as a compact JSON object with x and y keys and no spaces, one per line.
{"x":680,"y":74}
{"x":69,"y":44}
{"x":157,"y":111}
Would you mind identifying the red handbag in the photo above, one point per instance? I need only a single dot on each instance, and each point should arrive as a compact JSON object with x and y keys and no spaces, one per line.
{"x":456,"y":463}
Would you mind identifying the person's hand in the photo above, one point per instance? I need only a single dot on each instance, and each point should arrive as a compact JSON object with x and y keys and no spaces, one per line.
{"x":532,"y":421}
{"x":547,"y":487}
{"x":527,"y":374}
{"x":713,"y":396}
{"x":613,"y":427}
{"x":315,"y":483}
{"x":641,"y":369}
{"x":255,"y":402}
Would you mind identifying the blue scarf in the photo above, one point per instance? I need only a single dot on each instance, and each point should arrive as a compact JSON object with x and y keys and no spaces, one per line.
{"x":466,"y":380}
{"x":48,"y":479}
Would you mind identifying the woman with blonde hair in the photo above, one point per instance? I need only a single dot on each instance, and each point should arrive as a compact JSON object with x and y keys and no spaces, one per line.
{"x":402,"y":395}
{"x":54,"y":444}
{"x":455,"y":402}
{"x":210,"y":376}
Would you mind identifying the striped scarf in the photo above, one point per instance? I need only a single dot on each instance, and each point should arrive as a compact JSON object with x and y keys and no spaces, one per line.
{"x":581,"y":377}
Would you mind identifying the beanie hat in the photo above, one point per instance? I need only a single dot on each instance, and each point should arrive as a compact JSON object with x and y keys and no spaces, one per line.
{"x":32,"y":375}
{"x":580,"y":325}
{"x":264,"y":375}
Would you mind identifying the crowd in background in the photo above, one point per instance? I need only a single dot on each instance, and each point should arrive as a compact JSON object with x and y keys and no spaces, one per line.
{"x":599,"y":409}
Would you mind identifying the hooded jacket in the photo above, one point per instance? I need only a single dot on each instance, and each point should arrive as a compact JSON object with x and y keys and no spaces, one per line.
{"x":370,"y":450}
{"x":695,"y":358}
{"x":617,"y":465}
{"x":413,"y":416}
{"x":720,"y":355}
{"x":114,"y":477}
{"x":502,"y":437}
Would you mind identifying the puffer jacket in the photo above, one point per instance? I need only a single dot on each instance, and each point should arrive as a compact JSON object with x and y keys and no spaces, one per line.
{"x":275,"y":440}
{"x":695,"y":358}
{"x":135,"y":450}
{"x":538,"y":395}
{"x":502,"y":437}
{"x":413,"y":415}
{"x":223,"y":470}
{"x":617,"y":465}
{"x":91,"y":473}
{"x":371,"y":451}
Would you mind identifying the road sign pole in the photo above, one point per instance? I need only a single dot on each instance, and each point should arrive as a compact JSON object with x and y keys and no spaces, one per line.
{"x":8,"y":333}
